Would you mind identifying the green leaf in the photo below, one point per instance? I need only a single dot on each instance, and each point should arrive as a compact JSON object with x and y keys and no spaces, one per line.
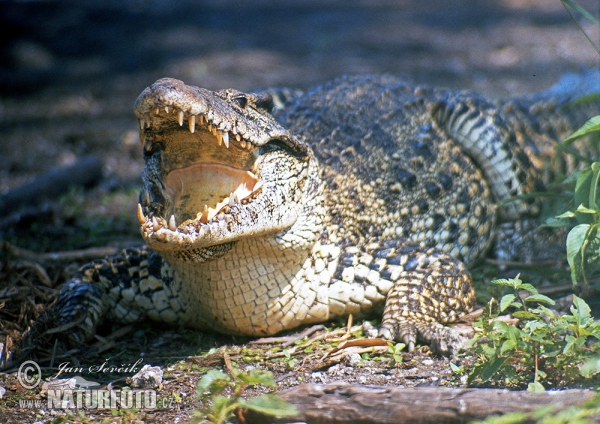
{"x":269,"y":404}
{"x":570,"y":342}
{"x":566,"y":215}
{"x":590,"y":367}
{"x":582,"y":187}
{"x":506,"y":301}
{"x":591,"y":125}
{"x":502,"y":282}
{"x":524,"y":315}
{"x":594,"y":186}
{"x":585,"y":13}
{"x":557,"y":222}
{"x":585,"y":210}
{"x":528,"y":287}
{"x":213,"y":381}
{"x":513,"y":333}
{"x":507,"y":345}
{"x":580,"y":309}
{"x":493,"y":366}
{"x":458,"y":370}
{"x":534,"y":325}
{"x":501,"y":326}
{"x":255,"y":377}
{"x":575,"y":241}
{"x":535,"y":387}
{"x":220,"y":409}
{"x":539,"y":298}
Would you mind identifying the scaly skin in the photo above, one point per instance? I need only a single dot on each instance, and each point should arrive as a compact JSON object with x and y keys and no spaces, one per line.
{"x":365,"y":196}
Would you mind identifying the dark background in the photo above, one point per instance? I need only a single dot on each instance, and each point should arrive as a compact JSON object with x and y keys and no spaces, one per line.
{"x":71,"y":70}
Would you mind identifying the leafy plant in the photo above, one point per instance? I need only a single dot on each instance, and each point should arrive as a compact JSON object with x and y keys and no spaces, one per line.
{"x":580,"y":197}
{"x":543,"y":348}
{"x":396,"y":351}
{"x":571,"y":5}
{"x":222,"y":408}
{"x":289,"y":359}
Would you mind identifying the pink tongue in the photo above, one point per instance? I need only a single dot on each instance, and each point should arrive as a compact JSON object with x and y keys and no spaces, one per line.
{"x":199,"y":191}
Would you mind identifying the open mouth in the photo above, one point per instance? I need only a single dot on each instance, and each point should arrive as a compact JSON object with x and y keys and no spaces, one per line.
{"x":207,"y":168}
{"x":202,"y":190}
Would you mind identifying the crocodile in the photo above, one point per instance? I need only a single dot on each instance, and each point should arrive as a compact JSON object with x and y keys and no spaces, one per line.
{"x":368,"y":195}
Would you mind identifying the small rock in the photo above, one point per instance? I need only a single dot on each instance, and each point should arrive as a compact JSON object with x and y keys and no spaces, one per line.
{"x":353,"y":359}
{"x":82,"y":383}
{"x":59,"y":385}
{"x":369,"y":330}
{"x":147,"y":378}
{"x":318,"y":376}
{"x":333,"y":369}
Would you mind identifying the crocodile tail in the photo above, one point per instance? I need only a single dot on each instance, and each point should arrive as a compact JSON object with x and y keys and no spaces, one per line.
{"x":483,"y":133}
{"x":542,"y":120}
{"x":85,"y":300}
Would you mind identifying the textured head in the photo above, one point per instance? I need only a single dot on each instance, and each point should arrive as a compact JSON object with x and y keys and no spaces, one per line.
{"x":218,"y":168}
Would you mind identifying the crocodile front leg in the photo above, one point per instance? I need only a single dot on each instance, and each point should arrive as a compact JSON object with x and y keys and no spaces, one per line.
{"x":431,"y":289}
{"x":419,"y":288}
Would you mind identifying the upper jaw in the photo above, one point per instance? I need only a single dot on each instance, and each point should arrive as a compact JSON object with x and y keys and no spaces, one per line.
{"x":204,"y":167}
{"x":221,"y":110}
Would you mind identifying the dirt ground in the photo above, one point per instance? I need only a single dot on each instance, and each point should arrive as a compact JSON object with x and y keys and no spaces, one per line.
{"x":70,"y":72}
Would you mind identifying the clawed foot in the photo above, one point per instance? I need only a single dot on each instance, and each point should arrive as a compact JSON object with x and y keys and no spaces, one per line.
{"x":447,"y":341}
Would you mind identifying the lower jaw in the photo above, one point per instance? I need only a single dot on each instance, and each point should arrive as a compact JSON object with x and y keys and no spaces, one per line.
{"x":201,"y":191}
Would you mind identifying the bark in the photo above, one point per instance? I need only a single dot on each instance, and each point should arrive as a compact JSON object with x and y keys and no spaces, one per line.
{"x":85,"y":172}
{"x":346,"y":403}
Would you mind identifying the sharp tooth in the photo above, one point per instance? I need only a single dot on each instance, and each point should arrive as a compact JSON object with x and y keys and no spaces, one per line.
{"x":231,"y":200}
{"x":142,"y":124}
{"x":142,"y":136}
{"x":237,"y":137}
{"x":192,"y":123}
{"x":167,"y":109}
{"x":209,"y":127}
{"x":140,"y":214}
{"x":147,"y":146}
{"x":157,"y":111}
{"x":172,"y":223}
{"x":156,"y":226}
{"x":214,"y":130}
{"x":249,"y":146}
{"x":180,"y":118}
{"x":147,"y":198}
{"x":226,"y":139}
{"x":236,"y":199}
{"x":200,"y":119}
{"x":243,"y":144}
{"x":219,"y":137}
{"x":204,"y":217}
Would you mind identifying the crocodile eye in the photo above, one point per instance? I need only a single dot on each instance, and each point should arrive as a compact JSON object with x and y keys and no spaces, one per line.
{"x":242,"y":101}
